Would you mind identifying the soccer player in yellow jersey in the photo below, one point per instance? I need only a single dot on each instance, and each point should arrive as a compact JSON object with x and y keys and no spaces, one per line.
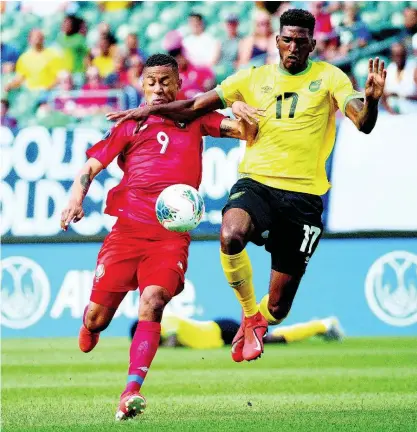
{"x":283,"y":170}
{"x":177,"y":331}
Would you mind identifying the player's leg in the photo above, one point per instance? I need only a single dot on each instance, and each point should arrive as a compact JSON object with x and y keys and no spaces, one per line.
{"x":160,"y":277}
{"x":97,"y":317}
{"x":292,"y":241}
{"x":115,"y":275}
{"x":245,"y":216}
{"x":328,"y":328}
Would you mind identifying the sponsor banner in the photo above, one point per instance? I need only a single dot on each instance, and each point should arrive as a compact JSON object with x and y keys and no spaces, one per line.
{"x":369,"y":284}
{"x":374,"y":177}
{"x":39,"y":165}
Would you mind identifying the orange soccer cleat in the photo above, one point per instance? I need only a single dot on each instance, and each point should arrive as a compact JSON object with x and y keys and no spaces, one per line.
{"x":238,"y":342}
{"x":255,"y":329}
{"x":87,"y":340}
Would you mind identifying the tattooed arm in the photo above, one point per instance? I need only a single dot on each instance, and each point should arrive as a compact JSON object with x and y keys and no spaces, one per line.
{"x":238,"y":129}
{"x":74,"y":210}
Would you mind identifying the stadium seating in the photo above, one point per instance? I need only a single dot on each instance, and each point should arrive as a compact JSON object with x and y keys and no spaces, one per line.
{"x":152,"y":20}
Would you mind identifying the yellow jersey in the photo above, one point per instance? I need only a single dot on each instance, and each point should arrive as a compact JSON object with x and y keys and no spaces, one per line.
{"x":39,"y":68}
{"x":297,"y":135}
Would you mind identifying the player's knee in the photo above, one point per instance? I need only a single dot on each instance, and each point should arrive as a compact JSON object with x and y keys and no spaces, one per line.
{"x":233,"y":238}
{"x":279,"y":311}
{"x":153,"y":300}
{"x":95,"y":322}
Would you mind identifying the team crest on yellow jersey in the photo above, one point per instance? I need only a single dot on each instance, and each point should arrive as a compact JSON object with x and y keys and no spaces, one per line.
{"x":315,"y":85}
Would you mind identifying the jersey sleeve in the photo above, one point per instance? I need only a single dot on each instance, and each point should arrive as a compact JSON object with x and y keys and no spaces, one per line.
{"x":210,"y":124}
{"x":232,"y":88}
{"x":112,"y":144}
{"x":342,"y":89}
{"x":21,"y":68}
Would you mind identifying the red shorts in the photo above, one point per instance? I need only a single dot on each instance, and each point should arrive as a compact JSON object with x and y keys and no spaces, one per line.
{"x":130,"y":259}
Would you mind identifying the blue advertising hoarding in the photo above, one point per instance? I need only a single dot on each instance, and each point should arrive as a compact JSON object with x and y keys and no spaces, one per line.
{"x":39,"y":165}
{"x":369,"y":284}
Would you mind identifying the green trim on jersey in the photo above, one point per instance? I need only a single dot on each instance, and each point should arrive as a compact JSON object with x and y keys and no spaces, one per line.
{"x":285,"y":72}
{"x":349,"y":98}
{"x":219,"y":92}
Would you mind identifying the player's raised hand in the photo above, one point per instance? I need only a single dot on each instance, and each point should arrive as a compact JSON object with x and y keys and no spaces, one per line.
{"x":243,"y":111}
{"x":72,"y":213}
{"x":374,"y":87}
{"x":139,"y":114}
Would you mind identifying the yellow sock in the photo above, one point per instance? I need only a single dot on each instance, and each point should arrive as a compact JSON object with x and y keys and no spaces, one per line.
{"x":238,"y":271}
{"x":300,"y":332}
{"x":263,"y":308}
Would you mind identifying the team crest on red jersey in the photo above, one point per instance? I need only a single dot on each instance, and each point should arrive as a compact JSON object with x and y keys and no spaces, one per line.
{"x":100,"y":271}
{"x":180,"y":125}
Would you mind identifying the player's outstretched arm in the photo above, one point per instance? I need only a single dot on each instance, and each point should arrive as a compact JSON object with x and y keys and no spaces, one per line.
{"x":238,"y":129}
{"x":364,"y":115}
{"x":74,"y":211}
{"x":182,"y":110}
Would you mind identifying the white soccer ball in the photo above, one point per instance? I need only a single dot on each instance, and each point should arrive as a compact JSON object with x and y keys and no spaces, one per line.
{"x":179,"y":208}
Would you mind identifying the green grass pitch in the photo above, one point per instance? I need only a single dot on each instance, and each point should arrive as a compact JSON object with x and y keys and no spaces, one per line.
{"x":358,"y":385}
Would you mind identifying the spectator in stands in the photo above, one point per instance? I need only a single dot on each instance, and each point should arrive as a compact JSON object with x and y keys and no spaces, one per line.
{"x":261,"y":43}
{"x":195,"y":79}
{"x":354,"y":32}
{"x":323,"y":31}
{"x":133,"y":47}
{"x":119,"y":77}
{"x":6,"y":120}
{"x":72,"y":44}
{"x":200,"y":47}
{"x":104,"y":61}
{"x":410,"y":20}
{"x":8,"y":57}
{"x":103,"y":31}
{"x":112,"y":6}
{"x":133,"y":91}
{"x":37,"y":67}
{"x":64,"y":100}
{"x":230,"y":46}
{"x":400,"y":94}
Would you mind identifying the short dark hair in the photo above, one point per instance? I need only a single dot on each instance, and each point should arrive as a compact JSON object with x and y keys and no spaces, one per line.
{"x":196,"y":15}
{"x":298,"y":18}
{"x":161,"y":60}
{"x":6,"y":103}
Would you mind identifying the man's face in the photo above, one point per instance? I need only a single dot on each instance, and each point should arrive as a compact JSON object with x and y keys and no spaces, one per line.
{"x":398,"y":55}
{"x":131,"y":42}
{"x":196,"y":25}
{"x":36,"y":39}
{"x":160,"y":84}
{"x":295,"y":45}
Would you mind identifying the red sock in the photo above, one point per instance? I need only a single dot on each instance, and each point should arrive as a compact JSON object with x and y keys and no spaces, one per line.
{"x":142,"y":351}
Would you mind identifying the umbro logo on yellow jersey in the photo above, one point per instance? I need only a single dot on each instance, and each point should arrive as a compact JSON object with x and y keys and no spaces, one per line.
{"x":266,"y":89}
{"x":314,"y":85}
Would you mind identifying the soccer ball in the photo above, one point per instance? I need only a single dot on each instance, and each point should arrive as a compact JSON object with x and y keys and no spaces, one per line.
{"x":179,"y":208}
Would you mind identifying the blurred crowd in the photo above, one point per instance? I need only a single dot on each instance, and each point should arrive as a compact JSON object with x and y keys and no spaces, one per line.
{"x":79,"y":60}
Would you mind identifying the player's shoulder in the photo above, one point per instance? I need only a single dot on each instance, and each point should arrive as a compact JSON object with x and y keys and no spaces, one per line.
{"x":326,"y":68}
{"x":123,"y":129}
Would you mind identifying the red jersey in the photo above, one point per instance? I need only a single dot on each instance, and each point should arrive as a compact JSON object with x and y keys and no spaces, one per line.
{"x":163,"y":153}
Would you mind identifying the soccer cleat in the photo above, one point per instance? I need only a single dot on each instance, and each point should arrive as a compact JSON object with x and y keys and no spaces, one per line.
{"x":238,"y":342}
{"x":131,"y":404}
{"x":256,"y":327}
{"x":87,"y":340}
{"x":334,"y":330}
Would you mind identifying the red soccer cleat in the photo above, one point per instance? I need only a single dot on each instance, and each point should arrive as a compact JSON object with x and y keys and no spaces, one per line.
{"x":238,"y":342}
{"x":131,"y":404}
{"x":256,"y":327}
{"x":87,"y":340}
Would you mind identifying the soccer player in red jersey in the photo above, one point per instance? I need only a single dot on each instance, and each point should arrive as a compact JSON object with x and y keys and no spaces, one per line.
{"x":139,"y":252}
